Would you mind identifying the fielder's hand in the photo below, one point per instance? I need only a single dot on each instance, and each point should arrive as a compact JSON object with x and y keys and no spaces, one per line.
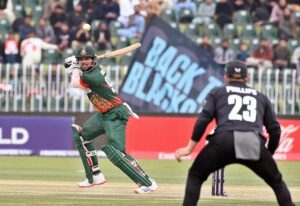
{"x":185,"y":151}
{"x":181,"y":152}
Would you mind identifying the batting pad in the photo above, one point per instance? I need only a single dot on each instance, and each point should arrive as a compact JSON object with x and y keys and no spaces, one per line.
{"x":88,"y":155}
{"x":127,"y":166}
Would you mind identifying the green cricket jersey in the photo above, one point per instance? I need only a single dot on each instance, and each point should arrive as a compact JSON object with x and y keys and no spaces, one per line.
{"x":101,"y":94}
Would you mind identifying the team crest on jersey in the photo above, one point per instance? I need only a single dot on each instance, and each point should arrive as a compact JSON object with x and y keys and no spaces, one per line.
{"x":237,"y":70}
{"x":83,"y":51}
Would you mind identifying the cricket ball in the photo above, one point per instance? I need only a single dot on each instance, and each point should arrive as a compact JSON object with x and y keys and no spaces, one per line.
{"x":86,"y":27}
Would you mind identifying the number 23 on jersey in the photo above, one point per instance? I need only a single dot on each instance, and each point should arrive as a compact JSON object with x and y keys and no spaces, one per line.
{"x":238,"y":112}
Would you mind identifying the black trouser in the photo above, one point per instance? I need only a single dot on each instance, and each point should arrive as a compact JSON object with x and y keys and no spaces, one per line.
{"x":218,"y":153}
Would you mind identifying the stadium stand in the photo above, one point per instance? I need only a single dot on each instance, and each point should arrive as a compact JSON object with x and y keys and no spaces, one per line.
{"x":230,"y":31}
{"x":242,"y":29}
{"x":269,"y":32}
{"x":248,"y":30}
{"x":168,"y":15}
{"x":192,"y":31}
{"x":213,"y":30}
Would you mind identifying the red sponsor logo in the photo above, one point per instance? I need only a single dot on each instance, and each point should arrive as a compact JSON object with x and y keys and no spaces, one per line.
{"x":163,"y":135}
{"x":287,"y":139}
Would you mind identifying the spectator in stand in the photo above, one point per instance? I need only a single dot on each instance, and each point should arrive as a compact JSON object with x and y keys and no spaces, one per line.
{"x":282,"y":55}
{"x":262,"y":56}
{"x":166,"y":4}
{"x":184,"y":4}
{"x":50,"y":6}
{"x":76,"y":18}
{"x":206,"y":46}
{"x":277,"y":11}
{"x":205,"y":12}
{"x":287,"y":27}
{"x":223,"y":53}
{"x":3,"y":16}
{"x":261,"y":10}
{"x":243,"y":54}
{"x":295,"y":58}
{"x":223,"y":13}
{"x":8,"y":16}
{"x":11,"y":49}
{"x":87,"y":3}
{"x":101,"y":37}
{"x":94,"y":12}
{"x":2,"y":54}
{"x":136,"y":25}
{"x":31,"y":49}
{"x":294,"y":5}
{"x":57,"y":17}
{"x":8,"y":10}
{"x":82,"y":36}
{"x":149,"y":13}
{"x":70,"y":4}
{"x":126,"y":10}
{"x":160,"y":5}
{"x":240,"y":5}
{"x":45,"y":31}
{"x":25,"y":27}
{"x":64,"y":37}
{"x":111,"y":10}
{"x":17,"y":23}
{"x":295,"y":62}
{"x":143,"y":4}
{"x":152,"y":8}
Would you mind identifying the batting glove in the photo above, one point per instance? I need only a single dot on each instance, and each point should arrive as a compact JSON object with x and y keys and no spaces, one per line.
{"x":70,"y":64}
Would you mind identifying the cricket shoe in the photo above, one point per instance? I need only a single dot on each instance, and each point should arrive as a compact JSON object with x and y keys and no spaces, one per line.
{"x":145,"y":189}
{"x":97,"y":180}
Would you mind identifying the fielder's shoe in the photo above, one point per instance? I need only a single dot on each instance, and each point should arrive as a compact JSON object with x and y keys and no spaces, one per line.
{"x":97,"y":180}
{"x":144,"y":189}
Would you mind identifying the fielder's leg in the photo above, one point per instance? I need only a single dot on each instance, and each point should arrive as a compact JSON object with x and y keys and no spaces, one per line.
{"x":267,"y":169}
{"x":193,"y":188}
{"x":88,"y":154}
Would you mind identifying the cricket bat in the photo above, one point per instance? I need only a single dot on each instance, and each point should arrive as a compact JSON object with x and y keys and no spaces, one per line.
{"x":120,"y":52}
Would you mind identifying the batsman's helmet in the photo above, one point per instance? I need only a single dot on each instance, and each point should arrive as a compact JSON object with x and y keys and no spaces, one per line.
{"x":86,"y":51}
{"x":236,"y":69}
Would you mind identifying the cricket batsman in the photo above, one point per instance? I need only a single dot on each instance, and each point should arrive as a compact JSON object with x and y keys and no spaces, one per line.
{"x":111,"y":119}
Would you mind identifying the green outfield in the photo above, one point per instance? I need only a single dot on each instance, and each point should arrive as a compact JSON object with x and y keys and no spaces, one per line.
{"x":45,"y":181}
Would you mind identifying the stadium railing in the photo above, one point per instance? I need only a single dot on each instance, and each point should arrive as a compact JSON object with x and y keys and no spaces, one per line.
{"x":44,"y":88}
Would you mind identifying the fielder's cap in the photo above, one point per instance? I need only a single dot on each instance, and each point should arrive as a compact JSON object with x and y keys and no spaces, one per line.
{"x":236,"y":69}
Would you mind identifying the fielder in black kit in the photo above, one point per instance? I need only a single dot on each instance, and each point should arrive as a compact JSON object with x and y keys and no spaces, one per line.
{"x":240,"y":113}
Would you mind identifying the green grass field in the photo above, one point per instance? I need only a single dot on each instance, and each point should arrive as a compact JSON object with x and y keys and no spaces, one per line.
{"x":45,"y":181}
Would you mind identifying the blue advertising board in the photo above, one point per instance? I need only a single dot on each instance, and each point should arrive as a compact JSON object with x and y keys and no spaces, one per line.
{"x":33,"y":135}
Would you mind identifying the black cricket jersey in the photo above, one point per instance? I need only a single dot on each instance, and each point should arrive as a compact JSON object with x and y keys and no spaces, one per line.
{"x":236,"y":107}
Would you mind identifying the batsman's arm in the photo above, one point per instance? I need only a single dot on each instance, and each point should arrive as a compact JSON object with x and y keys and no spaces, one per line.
{"x":75,"y":79}
{"x":73,"y":70}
